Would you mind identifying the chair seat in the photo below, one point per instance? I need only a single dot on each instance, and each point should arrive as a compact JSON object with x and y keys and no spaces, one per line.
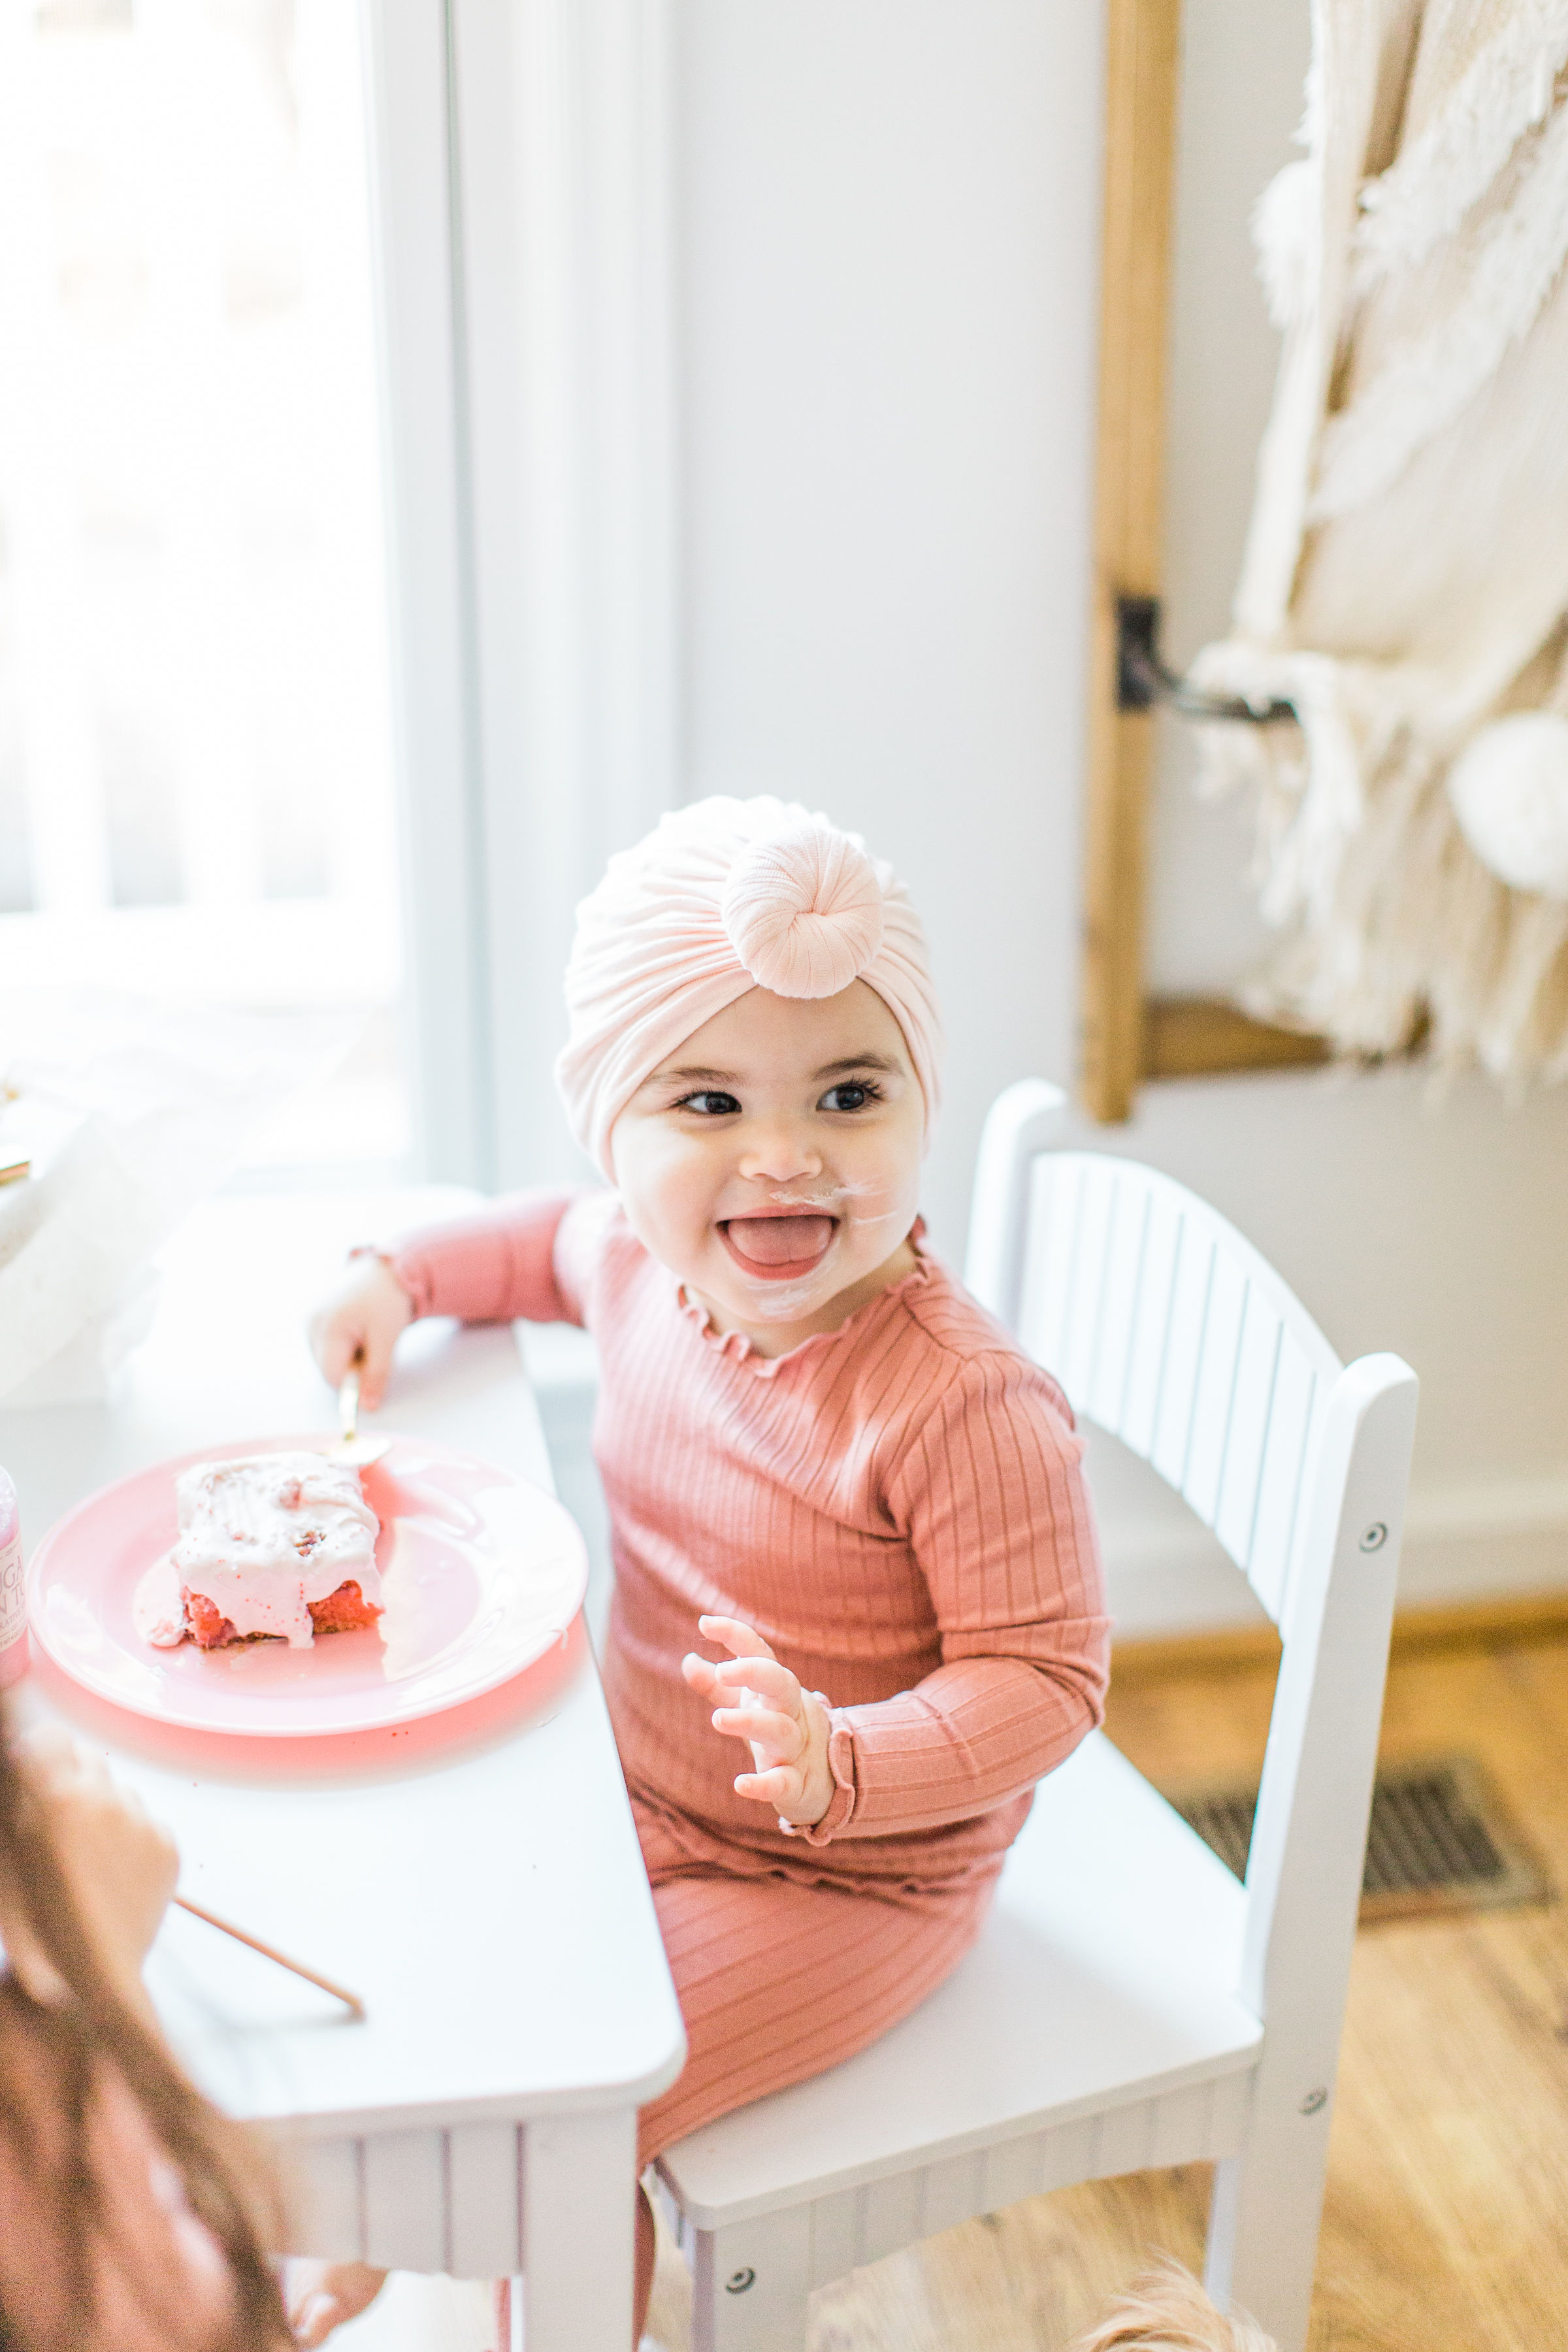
{"x":1098,"y":1982}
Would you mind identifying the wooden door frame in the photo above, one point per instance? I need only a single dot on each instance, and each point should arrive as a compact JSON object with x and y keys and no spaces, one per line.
{"x":1127,"y":1037}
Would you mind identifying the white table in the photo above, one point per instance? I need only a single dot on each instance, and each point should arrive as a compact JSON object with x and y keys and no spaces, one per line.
{"x":489,"y":1902}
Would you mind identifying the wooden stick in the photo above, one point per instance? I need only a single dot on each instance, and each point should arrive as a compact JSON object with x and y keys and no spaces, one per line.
{"x":351,"y":1999}
{"x":1142,"y":75}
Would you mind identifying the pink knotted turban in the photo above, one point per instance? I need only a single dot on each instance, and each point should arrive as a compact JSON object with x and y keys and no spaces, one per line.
{"x":724,"y":897}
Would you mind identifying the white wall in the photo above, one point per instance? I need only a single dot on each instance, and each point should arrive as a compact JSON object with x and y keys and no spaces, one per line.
{"x":887,"y":217}
{"x":886,"y":222}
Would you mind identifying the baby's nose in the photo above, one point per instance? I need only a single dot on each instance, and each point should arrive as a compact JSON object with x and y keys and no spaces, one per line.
{"x":781,"y":1155}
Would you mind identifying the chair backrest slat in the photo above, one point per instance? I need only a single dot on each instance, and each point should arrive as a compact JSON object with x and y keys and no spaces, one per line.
{"x":1166,"y":1327}
{"x":1049,"y":1257}
{"x":1295,"y":1410}
{"x":1214,"y":1387}
{"x":1169,"y":1330}
{"x":1093,"y":1238}
{"x":1149,"y":1338}
{"x":1183,"y":1353}
{"x":1259,"y":1348}
{"x":1105,"y":1399}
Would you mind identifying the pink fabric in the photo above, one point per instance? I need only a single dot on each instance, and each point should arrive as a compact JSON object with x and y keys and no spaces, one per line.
{"x":898,"y":1508}
{"x":721,"y":897}
{"x":779,"y":1976}
{"x":162,"y":2280}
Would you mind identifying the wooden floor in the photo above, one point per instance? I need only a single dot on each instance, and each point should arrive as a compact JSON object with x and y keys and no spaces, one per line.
{"x":1447,"y":2220}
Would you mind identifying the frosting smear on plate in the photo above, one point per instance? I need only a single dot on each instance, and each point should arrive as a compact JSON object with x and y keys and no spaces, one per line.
{"x":276,"y":1544}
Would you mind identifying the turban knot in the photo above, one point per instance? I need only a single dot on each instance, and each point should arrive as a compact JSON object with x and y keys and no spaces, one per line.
{"x":804,"y":911}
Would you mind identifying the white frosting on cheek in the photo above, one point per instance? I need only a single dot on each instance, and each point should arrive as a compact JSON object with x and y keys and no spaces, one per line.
{"x":263,"y":1539}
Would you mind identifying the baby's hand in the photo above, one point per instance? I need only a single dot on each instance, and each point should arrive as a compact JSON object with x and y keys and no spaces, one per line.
{"x":786,"y":1727}
{"x":359,"y":1323}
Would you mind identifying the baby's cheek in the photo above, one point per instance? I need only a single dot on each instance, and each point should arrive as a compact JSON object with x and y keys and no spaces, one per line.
{"x":656,"y":1182}
{"x":659,"y":1231}
{"x":885,"y":1196}
{"x":671,"y":1221}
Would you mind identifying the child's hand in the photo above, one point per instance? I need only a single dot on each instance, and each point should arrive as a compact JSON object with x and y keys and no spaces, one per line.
{"x":786,"y":1727}
{"x":119,"y":1867}
{"x":321,"y":2296}
{"x":359,"y":1322}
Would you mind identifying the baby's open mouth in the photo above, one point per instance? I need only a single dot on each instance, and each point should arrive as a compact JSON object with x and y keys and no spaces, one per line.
{"x":779,"y":1244}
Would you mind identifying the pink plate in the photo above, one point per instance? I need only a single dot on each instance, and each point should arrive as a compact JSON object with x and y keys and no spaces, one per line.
{"x":480,"y":1573}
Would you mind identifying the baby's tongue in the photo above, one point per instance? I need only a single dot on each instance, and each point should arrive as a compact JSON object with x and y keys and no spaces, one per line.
{"x":780,"y":1241}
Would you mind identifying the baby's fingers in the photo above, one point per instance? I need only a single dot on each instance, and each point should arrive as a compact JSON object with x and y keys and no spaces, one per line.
{"x":372,"y":1360}
{"x":780,"y":1786}
{"x":781,"y":1736}
{"x":702,"y":1675}
{"x":741,"y":1639}
{"x":360,"y":1324}
{"x":765,"y":1676}
{"x":347,"y":1346}
{"x":336,"y":1340}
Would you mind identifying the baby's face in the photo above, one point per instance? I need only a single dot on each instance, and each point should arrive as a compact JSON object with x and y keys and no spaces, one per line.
{"x":773,"y":1161}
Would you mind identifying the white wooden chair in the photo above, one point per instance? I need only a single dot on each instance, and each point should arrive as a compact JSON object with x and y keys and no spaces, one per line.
{"x":1129,"y":2004}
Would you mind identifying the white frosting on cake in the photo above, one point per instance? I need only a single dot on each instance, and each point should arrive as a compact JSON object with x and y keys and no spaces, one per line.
{"x":158,"y":1606}
{"x":263,"y":1538}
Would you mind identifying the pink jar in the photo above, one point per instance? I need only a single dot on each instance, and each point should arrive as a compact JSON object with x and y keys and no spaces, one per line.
{"x":13,"y":1596}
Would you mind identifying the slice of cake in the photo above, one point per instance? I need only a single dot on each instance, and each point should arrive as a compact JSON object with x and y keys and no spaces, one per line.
{"x":279,"y":1544}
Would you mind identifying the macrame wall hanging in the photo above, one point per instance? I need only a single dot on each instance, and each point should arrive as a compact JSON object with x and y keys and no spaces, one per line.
{"x":1406,"y":580}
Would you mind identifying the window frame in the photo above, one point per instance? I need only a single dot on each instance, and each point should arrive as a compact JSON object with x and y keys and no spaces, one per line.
{"x":521,"y":209}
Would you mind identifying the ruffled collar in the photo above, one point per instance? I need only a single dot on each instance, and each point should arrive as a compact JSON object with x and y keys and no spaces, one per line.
{"x":740,"y":1349}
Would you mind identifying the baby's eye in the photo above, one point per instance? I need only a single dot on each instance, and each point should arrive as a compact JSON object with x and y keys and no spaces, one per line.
{"x":710,"y":1103}
{"x":851,"y":1093}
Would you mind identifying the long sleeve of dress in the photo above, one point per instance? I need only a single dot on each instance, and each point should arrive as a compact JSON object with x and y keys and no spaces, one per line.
{"x":993,"y":1498}
{"x":495,"y":1265}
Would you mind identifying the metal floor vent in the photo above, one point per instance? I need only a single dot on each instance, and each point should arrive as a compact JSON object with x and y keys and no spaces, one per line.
{"x":1441,"y":1840}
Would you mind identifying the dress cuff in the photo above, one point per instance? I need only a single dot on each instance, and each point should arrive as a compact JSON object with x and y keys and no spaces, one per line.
{"x":418,"y":1289}
{"x":841,"y":1812}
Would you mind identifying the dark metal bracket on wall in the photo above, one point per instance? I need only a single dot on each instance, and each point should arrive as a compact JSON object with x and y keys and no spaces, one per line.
{"x":1142,"y":679}
{"x":1196,"y":1035}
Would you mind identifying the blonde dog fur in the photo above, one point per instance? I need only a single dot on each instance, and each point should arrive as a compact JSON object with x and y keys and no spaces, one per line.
{"x":1167,"y":2311}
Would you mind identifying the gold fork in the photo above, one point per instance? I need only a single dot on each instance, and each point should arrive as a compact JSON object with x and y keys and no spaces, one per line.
{"x":351,"y":1446}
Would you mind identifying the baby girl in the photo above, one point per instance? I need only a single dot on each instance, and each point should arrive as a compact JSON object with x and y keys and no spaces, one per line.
{"x":826,"y":1467}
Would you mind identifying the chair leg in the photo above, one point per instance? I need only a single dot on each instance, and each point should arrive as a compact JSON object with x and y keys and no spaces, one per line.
{"x":1266,"y":2206}
{"x":751,"y":2283}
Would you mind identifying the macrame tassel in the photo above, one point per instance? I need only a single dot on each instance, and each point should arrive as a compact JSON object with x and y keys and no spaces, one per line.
{"x":1407,"y":577}
{"x":1425,"y":194}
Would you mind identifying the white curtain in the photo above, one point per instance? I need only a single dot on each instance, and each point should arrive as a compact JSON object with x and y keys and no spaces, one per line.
{"x":1405,"y":582}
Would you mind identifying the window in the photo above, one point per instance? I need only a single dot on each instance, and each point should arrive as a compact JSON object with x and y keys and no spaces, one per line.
{"x":195,"y":759}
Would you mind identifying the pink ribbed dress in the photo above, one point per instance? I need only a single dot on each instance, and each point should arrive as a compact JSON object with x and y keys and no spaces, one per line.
{"x":897,"y":1507}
